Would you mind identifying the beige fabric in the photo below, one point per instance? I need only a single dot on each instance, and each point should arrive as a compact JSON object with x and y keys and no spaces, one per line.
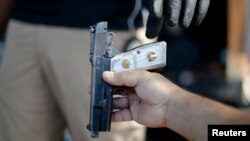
{"x":44,"y":79}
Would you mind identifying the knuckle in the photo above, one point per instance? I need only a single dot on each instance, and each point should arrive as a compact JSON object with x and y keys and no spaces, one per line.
{"x":155,"y":76}
{"x":124,"y":75}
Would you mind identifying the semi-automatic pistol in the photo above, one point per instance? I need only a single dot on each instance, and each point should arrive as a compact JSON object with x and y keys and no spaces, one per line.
{"x":104,"y":57}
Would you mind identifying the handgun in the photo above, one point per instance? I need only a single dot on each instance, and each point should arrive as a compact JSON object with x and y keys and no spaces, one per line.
{"x":105,"y":57}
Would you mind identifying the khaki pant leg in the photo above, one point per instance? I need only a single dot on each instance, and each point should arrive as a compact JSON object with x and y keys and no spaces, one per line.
{"x":27,"y":108}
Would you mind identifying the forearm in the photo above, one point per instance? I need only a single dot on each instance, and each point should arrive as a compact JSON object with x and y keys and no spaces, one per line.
{"x":189,"y":115}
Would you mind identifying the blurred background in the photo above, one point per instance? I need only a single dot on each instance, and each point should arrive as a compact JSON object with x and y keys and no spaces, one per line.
{"x":211,"y":59}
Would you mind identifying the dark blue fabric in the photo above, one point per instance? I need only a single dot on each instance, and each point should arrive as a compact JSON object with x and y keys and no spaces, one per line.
{"x":75,"y":13}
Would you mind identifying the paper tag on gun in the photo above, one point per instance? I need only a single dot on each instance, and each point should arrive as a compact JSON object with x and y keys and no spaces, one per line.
{"x":149,"y":56}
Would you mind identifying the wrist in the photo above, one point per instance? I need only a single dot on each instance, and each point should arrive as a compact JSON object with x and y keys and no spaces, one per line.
{"x":177,"y":110}
{"x":172,"y":104}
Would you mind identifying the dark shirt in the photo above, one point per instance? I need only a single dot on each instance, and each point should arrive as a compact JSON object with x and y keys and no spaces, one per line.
{"x":75,"y":13}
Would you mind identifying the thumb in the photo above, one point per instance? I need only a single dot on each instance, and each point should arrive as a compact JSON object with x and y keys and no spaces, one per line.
{"x":155,"y":18}
{"x":126,"y":78}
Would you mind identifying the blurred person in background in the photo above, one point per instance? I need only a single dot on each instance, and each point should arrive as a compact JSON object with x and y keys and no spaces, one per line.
{"x":46,"y":70}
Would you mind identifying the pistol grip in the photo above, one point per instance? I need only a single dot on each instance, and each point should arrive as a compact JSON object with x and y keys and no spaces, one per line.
{"x":149,"y":56}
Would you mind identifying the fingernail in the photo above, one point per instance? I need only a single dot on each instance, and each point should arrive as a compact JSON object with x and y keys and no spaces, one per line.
{"x":109,"y":74}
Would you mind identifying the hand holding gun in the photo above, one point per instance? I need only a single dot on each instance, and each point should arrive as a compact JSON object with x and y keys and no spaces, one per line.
{"x":104,"y":57}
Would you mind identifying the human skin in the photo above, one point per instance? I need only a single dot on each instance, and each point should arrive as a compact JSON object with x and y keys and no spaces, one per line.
{"x":154,"y":101}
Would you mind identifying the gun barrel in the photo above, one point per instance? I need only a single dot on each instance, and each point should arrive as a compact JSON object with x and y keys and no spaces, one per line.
{"x":101,"y":92}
